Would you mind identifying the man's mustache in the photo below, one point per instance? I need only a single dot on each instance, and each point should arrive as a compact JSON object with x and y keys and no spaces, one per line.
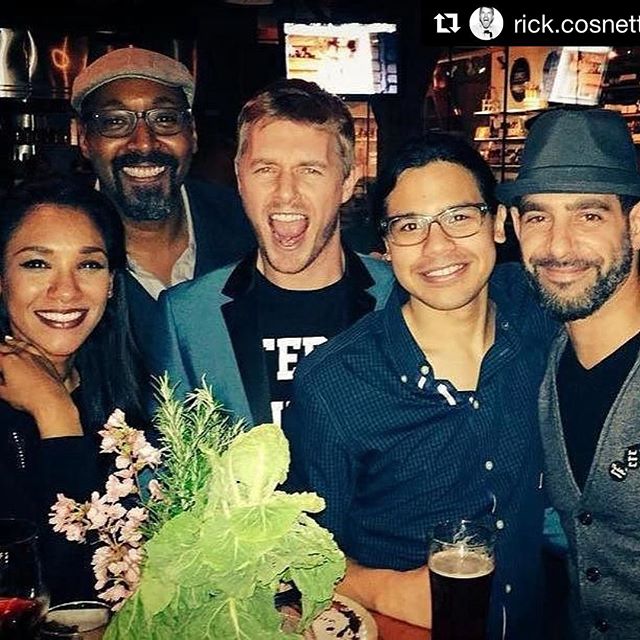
{"x":554,"y":263}
{"x":134,"y":159}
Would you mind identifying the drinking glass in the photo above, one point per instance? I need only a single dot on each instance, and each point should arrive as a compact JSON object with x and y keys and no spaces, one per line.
{"x":23,"y":597}
{"x":83,"y":620}
{"x":461,"y":566}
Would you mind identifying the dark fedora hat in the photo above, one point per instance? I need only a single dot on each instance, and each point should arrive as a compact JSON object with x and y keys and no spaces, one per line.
{"x":571,"y":151}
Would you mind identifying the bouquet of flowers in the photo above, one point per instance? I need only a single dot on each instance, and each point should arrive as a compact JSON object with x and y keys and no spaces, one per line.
{"x":200,"y":550}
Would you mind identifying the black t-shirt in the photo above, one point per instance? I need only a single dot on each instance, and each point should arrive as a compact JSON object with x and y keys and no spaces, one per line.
{"x":586,"y":396}
{"x":292,"y":324}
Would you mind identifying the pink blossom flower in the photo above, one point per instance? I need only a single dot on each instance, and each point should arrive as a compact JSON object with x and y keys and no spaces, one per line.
{"x":130,"y":532}
{"x":117,"y":561}
{"x":154,"y":490}
{"x":100,"y":562}
{"x":117,"y":488}
{"x":68,"y":516}
{"x":117,"y":594}
{"x":117,"y":419}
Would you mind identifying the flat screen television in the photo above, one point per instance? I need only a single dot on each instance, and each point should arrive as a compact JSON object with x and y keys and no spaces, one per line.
{"x":579,"y":75}
{"x":351,"y":59}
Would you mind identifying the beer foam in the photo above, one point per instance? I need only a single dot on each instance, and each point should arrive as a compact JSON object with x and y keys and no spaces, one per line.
{"x":452,"y":564}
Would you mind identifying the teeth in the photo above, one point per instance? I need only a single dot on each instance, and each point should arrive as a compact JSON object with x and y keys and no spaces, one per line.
{"x":287,"y":217}
{"x":446,"y":271}
{"x":143,"y":172}
{"x":54,"y":316}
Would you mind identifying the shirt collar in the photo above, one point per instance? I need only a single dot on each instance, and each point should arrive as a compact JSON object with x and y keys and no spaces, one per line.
{"x":242,"y":278}
{"x":413,"y":367}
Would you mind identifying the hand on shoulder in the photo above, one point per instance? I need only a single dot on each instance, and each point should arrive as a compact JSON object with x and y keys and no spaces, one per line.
{"x":29,"y":382}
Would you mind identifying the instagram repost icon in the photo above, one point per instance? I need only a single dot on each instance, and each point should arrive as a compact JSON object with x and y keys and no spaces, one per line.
{"x":486,"y":23}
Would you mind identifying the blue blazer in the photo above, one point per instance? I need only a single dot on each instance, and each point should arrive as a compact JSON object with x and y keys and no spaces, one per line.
{"x":208,"y":327}
{"x":223,"y":234}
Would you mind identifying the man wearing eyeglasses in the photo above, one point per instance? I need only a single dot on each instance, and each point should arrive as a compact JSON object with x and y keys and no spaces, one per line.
{"x":426,"y":410}
{"x":137,"y":129}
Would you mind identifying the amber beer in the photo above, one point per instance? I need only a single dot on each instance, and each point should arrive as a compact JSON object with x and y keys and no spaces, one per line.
{"x":461,"y":570}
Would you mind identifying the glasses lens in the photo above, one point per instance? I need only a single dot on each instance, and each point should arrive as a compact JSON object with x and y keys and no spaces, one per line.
{"x":115,"y":123}
{"x":119,"y":123}
{"x":166,"y":122}
{"x":408,"y":230}
{"x":458,"y":222}
{"x":461,"y":222}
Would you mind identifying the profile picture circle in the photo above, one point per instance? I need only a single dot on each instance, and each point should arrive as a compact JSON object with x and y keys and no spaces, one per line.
{"x":486,"y":23}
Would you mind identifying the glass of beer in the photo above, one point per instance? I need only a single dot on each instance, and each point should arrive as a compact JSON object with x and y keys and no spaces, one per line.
{"x":461,"y":564}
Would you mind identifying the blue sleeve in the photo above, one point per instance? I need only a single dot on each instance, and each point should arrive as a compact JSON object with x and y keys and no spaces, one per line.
{"x":166,"y":355}
{"x":320,"y":460}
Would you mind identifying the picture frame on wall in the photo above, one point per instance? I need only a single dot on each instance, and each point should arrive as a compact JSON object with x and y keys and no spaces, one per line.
{"x":580,"y":75}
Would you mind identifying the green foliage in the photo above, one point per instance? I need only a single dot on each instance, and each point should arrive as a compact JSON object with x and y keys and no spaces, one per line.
{"x":225,"y":537}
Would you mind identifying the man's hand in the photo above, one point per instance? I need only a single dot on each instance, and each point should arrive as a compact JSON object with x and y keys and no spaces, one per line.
{"x":405,"y":595}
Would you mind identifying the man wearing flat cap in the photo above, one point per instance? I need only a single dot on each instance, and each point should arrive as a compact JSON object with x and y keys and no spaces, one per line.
{"x":137,"y":129}
{"x":575,"y":208}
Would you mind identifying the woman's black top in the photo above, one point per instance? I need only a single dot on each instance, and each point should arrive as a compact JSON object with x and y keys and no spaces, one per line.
{"x":32,"y":472}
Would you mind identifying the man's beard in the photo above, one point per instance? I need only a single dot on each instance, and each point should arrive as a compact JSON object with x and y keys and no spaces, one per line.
{"x":592,"y":298}
{"x":141,"y":203}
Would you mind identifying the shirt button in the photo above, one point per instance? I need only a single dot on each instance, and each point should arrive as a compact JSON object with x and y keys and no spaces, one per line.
{"x":424,"y":369}
{"x":403,"y":378}
{"x":488,"y":465}
{"x":602,"y":625}
{"x":507,"y":588}
{"x":585,"y":518}
{"x":475,"y":404}
{"x":505,"y":325}
{"x":500,"y":524}
{"x":593,"y":574}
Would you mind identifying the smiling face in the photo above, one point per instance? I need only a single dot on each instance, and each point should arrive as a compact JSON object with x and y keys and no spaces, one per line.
{"x":55,"y":280}
{"x":442,"y":273}
{"x":577,"y":250}
{"x":291,"y":182}
{"x":141,"y":173}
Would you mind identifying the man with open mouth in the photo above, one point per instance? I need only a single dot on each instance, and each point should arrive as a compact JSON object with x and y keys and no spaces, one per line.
{"x":246,"y":326}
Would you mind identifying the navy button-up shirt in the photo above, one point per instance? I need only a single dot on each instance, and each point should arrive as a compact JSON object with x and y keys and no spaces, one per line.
{"x":394,"y":450}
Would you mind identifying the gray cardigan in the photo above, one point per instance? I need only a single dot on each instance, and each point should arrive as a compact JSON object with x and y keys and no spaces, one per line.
{"x":602,"y":523}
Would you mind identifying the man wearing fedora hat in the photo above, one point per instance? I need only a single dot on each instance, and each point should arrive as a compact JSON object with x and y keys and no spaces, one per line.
{"x":576,"y":212}
{"x":137,"y":129}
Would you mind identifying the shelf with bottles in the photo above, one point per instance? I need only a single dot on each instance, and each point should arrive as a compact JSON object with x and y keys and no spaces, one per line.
{"x":509,"y":112}
{"x":631,"y":113}
{"x":500,"y":139}
{"x":366,"y":139}
{"x":501,"y":128}
{"x":498,"y":156}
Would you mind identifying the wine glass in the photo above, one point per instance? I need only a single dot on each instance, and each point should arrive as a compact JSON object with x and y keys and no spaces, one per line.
{"x":23,"y":598}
